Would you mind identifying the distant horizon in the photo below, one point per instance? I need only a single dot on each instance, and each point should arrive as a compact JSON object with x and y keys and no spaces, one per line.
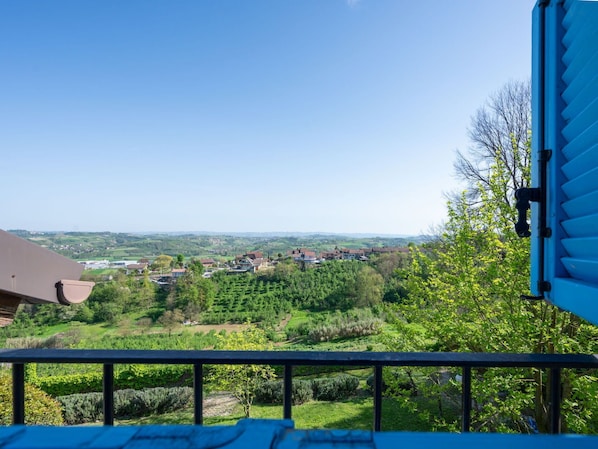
{"x":231,"y":233}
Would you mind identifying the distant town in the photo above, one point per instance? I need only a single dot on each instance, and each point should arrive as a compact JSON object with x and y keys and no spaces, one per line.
{"x":249,"y":262}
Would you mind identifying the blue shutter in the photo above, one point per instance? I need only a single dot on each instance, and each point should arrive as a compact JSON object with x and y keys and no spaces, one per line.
{"x":565,"y":122}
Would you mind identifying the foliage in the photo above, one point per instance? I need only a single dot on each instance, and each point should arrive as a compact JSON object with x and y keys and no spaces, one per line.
{"x":194,"y":294}
{"x":40,"y":408}
{"x":242,"y":298}
{"x":133,"y":376}
{"x":171,"y":319}
{"x":336,"y":388}
{"x":271,"y":392}
{"x":331,"y":286}
{"x":88,"y":408}
{"x":242,"y":380}
{"x":467,"y":292}
{"x":162,"y":263}
{"x":355,"y":323}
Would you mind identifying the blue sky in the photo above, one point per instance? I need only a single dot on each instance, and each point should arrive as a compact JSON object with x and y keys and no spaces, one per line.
{"x":236,"y":115}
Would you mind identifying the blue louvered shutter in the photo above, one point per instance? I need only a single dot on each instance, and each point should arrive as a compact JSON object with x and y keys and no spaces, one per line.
{"x":565,"y":134}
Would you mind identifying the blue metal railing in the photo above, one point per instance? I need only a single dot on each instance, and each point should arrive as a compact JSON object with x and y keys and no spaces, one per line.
{"x":289,"y":359}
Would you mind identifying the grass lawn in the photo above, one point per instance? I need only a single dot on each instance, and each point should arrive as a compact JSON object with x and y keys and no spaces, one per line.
{"x":355,"y":413}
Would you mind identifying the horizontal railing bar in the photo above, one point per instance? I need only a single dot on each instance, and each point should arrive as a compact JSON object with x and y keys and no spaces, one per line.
{"x":298,"y":358}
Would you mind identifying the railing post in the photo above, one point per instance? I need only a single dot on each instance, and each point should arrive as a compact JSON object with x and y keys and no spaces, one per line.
{"x":377,"y":398}
{"x":287,"y":395}
{"x":198,"y":393}
{"x":18,"y":393}
{"x":108,"y":389}
{"x":555,"y":401}
{"x":466,"y":399}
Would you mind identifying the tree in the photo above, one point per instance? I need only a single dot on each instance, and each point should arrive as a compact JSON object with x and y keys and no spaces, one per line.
{"x":369,"y":287}
{"x":162,"y":263}
{"x":194,"y":294}
{"x":500,"y":129}
{"x":242,"y":381}
{"x":171,"y":319}
{"x":467,"y":296}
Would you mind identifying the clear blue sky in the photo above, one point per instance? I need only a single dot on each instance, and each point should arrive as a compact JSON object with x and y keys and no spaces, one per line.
{"x":235,"y":115}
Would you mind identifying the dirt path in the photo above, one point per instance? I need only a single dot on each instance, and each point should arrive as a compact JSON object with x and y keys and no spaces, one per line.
{"x":216,"y":327}
{"x":219,"y":404}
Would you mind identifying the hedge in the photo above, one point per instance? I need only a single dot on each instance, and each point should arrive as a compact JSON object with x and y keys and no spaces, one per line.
{"x":88,"y":408}
{"x":134,"y":377}
{"x":324,"y":389}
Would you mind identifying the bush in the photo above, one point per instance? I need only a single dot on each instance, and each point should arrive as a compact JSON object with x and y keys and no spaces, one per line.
{"x":302,"y":392}
{"x":86,"y":408}
{"x":40,"y":408}
{"x":134,"y":377}
{"x":271,"y":392}
{"x":335,"y":388}
{"x":82,"y":408}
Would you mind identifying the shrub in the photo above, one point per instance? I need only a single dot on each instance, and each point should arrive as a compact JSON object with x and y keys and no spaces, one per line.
{"x":133,"y":377}
{"x":302,"y":392}
{"x":271,"y":392}
{"x":82,"y":408}
{"x":335,"y":388}
{"x":86,"y":408}
{"x":40,"y":408}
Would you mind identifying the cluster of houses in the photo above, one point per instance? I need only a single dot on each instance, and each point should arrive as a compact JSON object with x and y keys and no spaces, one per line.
{"x":250,"y":262}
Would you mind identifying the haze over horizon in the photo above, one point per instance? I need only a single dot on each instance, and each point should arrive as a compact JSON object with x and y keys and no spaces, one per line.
{"x":233,"y":116}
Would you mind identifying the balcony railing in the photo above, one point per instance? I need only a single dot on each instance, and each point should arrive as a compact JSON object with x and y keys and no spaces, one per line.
{"x":288,"y":359}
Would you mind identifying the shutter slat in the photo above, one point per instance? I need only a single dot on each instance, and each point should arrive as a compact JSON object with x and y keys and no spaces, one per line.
{"x":579,"y":165}
{"x":582,"y":247}
{"x":581,"y":143}
{"x":582,"y":269}
{"x":582,"y":185}
{"x":583,"y":119}
{"x":583,"y":205}
{"x":584,"y":226}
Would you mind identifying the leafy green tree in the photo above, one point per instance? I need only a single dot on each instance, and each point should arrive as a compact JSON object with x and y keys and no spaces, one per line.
{"x":162,"y":263}
{"x":242,"y":381}
{"x":194,"y":294}
{"x":369,"y":287}
{"x":196,"y":267}
{"x":108,"y":301}
{"x":171,"y":319}
{"x":466,"y":295}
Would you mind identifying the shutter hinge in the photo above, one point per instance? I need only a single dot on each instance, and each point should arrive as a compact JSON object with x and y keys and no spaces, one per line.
{"x":535,"y":194}
{"x":524,"y":196}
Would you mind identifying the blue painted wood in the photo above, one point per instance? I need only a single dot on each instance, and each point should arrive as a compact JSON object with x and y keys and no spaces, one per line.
{"x":584,"y":226}
{"x":583,"y":205}
{"x":582,"y":269}
{"x":582,"y":248}
{"x":268,"y":434}
{"x":579,"y":164}
{"x":565,"y":71}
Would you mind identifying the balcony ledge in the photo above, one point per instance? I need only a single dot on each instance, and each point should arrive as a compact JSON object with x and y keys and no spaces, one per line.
{"x":264,"y":434}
